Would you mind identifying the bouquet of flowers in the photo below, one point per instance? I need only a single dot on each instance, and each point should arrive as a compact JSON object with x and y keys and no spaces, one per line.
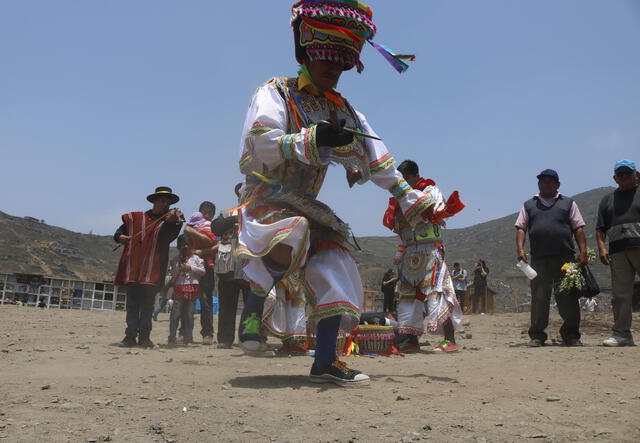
{"x":573,"y":279}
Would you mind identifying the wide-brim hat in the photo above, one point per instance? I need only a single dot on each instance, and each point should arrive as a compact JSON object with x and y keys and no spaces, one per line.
{"x":163,"y":191}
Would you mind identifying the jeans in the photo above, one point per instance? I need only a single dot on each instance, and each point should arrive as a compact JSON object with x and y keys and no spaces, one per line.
{"x":182,"y":311}
{"x":207,"y":285}
{"x":549,"y":276}
{"x":228,"y":292}
{"x":139,"y":305}
{"x":164,"y":298}
{"x":624,"y":267}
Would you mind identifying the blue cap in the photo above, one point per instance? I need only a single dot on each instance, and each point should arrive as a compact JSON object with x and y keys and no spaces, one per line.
{"x":548,"y":173}
{"x":624,"y":164}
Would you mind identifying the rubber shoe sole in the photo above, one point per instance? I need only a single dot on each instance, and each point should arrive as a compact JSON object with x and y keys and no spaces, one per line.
{"x":615,"y":342}
{"x":452,"y":347}
{"x":255,"y":348}
{"x":357,"y":381}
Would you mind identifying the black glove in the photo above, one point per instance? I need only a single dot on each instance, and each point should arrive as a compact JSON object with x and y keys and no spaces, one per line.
{"x":332,"y":134}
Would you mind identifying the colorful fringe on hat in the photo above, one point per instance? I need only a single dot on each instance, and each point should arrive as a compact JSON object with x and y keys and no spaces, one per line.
{"x":336,"y":31}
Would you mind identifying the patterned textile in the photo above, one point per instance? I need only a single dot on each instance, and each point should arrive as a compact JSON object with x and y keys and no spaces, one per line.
{"x":284,"y":309}
{"x":331,"y":30}
{"x":140,"y":261}
{"x":186,"y":292}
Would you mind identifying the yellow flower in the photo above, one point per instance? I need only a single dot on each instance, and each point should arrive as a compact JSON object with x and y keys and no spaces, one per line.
{"x":565,"y":267}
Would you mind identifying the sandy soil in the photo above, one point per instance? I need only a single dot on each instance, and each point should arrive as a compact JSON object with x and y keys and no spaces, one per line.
{"x":65,"y":379}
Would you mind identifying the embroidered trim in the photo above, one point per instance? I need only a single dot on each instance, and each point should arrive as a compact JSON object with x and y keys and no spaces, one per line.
{"x":410,"y":330}
{"x":414,"y":213}
{"x":245,"y":159}
{"x":400,"y":189}
{"x":258,"y":128}
{"x":257,"y":289}
{"x":283,"y":233}
{"x":310,"y":146}
{"x":330,"y":310}
{"x":382,"y":164}
{"x":433,"y":326}
{"x":286,"y":146}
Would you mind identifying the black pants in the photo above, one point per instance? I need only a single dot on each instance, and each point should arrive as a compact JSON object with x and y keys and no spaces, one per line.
{"x":207,"y":285}
{"x":228,"y":292}
{"x":389,"y":300}
{"x":460,"y":296}
{"x":549,"y":276}
{"x":140,"y":300}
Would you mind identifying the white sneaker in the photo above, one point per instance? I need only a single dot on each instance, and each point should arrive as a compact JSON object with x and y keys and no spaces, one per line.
{"x":257,"y":348}
{"x":618,"y":341}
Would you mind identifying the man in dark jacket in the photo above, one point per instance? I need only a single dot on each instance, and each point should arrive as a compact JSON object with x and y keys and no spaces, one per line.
{"x":552,"y":221}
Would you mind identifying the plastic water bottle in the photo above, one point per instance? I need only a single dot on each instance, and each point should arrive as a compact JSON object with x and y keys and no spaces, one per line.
{"x":527,"y":269}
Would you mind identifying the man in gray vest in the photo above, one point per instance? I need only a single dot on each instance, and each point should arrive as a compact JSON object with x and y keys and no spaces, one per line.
{"x":552,"y":220}
{"x":619,"y":219}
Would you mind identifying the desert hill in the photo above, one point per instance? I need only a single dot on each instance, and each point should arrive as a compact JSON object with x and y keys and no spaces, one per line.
{"x":28,"y":245}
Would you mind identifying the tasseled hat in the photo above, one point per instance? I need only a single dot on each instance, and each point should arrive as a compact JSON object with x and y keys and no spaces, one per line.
{"x":336,"y":30}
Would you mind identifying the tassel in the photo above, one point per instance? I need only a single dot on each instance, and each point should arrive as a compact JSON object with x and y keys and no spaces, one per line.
{"x":392,"y":57}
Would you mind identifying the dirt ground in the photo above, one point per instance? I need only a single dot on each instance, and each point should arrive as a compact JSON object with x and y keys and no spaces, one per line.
{"x":65,"y":379}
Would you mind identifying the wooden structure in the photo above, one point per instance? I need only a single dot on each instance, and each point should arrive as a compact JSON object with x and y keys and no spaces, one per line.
{"x":468,"y":300}
{"x":372,"y":301}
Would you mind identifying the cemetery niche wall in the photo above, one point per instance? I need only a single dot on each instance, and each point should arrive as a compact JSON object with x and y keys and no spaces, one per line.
{"x":60,"y":293}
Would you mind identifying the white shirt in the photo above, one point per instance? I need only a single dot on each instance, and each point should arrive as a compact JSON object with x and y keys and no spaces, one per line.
{"x":460,"y":285}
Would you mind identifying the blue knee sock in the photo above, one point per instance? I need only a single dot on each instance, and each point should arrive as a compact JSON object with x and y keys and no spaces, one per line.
{"x":326,"y":338}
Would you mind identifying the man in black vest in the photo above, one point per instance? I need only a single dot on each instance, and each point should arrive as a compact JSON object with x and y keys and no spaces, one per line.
{"x":552,"y":219}
{"x":619,"y":221}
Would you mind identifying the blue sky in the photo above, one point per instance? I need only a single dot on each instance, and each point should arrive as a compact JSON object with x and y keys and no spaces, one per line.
{"x":101,"y":101}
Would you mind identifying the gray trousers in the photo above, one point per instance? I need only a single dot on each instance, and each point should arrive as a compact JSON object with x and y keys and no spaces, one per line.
{"x":182,"y":310}
{"x":624,"y":266}
{"x":549,"y":276}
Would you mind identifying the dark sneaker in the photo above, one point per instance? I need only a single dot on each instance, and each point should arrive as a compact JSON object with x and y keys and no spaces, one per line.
{"x":128,"y":342}
{"x":536,"y":343}
{"x":224,"y":346}
{"x":408,"y":345}
{"x":618,"y":341}
{"x":573,"y":342}
{"x":146,"y":343}
{"x":171,"y":341}
{"x":292,"y":348}
{"x":338,"y":373}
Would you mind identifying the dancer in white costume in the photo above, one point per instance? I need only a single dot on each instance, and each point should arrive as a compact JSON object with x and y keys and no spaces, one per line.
{"x":294,"y":129}
{"x":425,"y":286}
